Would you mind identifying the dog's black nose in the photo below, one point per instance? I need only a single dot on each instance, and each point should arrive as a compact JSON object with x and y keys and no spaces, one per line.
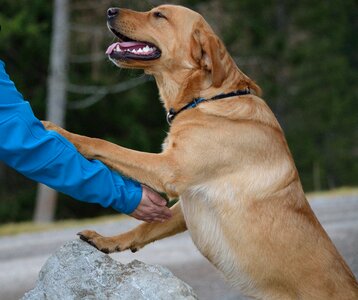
{"x":112,"y":12}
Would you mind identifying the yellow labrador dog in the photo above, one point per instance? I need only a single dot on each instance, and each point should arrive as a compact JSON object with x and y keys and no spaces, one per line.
{"x":227,"y":160}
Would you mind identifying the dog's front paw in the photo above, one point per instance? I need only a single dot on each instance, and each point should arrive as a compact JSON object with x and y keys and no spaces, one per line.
{"x":51,"y":126}
{"x":109,"y":244}
{"x":81,"y":145}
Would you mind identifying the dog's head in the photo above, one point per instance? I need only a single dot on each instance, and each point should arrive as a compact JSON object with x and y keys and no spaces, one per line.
{"x":166,"y":38}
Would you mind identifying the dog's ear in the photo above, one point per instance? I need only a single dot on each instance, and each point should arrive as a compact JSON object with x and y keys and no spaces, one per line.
{"x":207,"y":50}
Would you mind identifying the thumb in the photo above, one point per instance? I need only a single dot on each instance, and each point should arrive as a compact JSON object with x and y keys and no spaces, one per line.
{"x":157,"y":199}
{"x":154,"y":196}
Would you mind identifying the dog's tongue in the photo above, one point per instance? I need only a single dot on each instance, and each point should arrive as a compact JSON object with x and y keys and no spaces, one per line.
{"x":111,"y":48}
{"x":125,"y":45}
{"x":131,"y":44}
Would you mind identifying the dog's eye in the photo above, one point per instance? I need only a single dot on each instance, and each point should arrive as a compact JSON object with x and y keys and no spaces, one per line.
{"x":159,"y":15}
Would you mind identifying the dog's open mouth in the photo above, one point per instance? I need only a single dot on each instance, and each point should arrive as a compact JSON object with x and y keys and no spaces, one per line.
{"x":127,"y":48}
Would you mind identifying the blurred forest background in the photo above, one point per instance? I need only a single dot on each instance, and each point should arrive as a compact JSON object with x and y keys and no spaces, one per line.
{"x":302,"y":53}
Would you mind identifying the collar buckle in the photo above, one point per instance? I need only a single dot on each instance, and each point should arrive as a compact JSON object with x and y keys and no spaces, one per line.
{"x":170,"y":116}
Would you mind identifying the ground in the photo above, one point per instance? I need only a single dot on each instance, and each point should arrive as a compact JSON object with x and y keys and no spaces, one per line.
{"x":21,"y":256}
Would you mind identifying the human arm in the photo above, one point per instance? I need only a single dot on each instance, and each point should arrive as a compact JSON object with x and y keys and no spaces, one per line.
{"x":47,"y":157}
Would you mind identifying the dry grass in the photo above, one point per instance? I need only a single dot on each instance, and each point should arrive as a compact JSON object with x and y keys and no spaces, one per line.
{"x":336,"y":192}
{"x":26,"y":227}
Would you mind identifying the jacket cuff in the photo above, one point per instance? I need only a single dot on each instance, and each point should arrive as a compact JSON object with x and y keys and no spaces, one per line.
{"x":129,"y":194}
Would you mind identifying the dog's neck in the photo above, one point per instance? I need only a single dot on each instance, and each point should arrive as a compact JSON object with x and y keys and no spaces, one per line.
{"x":175,"y":93}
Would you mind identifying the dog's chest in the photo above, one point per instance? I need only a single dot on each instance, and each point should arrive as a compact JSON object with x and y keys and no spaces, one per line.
{"x":207,"y":229}
{"x":203,"y":226}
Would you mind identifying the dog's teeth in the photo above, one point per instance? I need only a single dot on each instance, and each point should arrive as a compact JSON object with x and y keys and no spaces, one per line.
{"x":145,"y":50}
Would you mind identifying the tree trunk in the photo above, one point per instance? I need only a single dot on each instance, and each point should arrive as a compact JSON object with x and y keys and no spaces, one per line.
{"x":316,"y":175}
{"x":56,"y":100}
{"x":2,"y":177}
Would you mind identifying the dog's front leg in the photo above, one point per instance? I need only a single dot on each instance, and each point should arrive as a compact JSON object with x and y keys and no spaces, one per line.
{"x":155,"y":170}
{"x":138,"y":237}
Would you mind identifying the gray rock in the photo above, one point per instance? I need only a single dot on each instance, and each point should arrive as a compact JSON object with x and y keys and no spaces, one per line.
{"x":79,"y":271}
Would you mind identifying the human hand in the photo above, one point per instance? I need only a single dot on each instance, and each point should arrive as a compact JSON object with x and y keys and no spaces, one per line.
{"x":152,"y":207}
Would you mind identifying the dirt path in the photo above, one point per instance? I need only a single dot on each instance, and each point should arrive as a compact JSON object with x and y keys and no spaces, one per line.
{"x":22,"y":256}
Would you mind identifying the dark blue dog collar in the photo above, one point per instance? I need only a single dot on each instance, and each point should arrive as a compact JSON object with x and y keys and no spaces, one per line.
{"x":172,"y":113}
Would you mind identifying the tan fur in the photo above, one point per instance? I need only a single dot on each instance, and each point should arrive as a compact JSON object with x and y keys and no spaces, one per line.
{"x":228,"y":161}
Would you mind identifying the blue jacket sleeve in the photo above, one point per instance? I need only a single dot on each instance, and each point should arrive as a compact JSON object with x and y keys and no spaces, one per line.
{"x":47,"y":157}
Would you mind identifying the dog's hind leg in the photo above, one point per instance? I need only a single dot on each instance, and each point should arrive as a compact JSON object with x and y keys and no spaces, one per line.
{"x":138,"y":237}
